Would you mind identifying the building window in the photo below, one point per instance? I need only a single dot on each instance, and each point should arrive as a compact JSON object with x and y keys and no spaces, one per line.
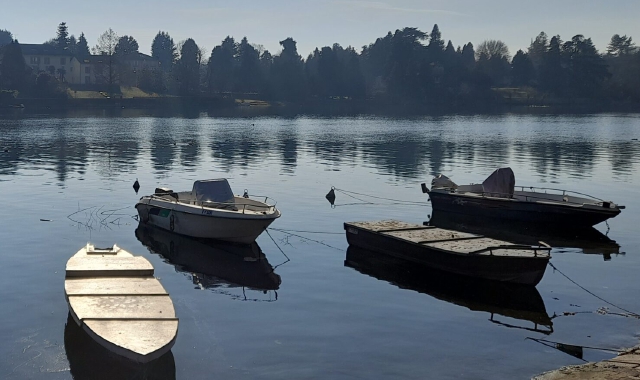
{"x":71,"y":69}
{"x":87,"y":79}
{"x":87,"y":70}
{"x":63,"y":61}
{"x":34,"y":60}
{"x":46,"y":60}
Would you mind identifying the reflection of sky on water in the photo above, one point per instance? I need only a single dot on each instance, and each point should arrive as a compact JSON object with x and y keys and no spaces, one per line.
{"x":549,"y":148}
{"x":326,"y":315}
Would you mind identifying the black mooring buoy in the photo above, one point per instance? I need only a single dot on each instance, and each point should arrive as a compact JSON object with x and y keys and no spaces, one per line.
{"x":136,"y":186}
{"x":331,"y":196}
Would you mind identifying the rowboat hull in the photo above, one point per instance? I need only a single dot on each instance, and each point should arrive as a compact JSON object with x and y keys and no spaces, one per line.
{"x":114,"y":297}
{"x":514,"y":269}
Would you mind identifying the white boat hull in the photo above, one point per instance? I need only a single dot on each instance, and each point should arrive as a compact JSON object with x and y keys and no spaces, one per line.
{"x":203,"y":222}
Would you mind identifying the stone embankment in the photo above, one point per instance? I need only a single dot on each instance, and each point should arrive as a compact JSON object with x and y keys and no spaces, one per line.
{"x":624,"y":366}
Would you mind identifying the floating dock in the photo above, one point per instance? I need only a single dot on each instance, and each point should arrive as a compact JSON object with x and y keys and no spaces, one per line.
{"x":113,"y":296}
{"x":452,"y":251}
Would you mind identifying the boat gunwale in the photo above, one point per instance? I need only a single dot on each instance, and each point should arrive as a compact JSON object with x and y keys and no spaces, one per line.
{"x":584,"y":207}
{"x":219,"y":213}
{"x":477,"y":253}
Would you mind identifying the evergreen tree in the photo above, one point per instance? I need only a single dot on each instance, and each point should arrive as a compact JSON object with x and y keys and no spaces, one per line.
{"x":620,"y":45}
{"x":82,"y":47}
{"x":5,"y":37}
{"x":13,"y":68}
{"x":221,"y":66}
{"x":188,"y":68}
{"x":126,"y":46}
{"x":468,"y":55}
{"x":73,"y":45}
{"x":538,"y":49}
{"x":522,"y":70}
{"x":62,"y":38}
{"x":552,"y":76}
{"x":288,"y":72}
{"x":164,"y":50}
{"x":247,"y":73}
{"x":587,"y":70}
{"x":435,"y":48}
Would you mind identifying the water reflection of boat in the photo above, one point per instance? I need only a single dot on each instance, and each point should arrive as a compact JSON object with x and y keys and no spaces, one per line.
{"x":89,"y":360}
{"x":509,"y":300}
{"x":589,"y":240}
{"x":212,"y":263}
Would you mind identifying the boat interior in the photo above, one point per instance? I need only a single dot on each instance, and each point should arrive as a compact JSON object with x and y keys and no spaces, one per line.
{"x":217,"y":194}
{"x":534,"y":195}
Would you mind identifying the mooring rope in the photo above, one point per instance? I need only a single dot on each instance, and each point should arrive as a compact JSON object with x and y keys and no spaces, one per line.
{"x":307,"y":232}
{"x":576,"y":345}
{"x":397,"y":201}
{"x":285,"y":255}
{"x":593,"y":294}
{"x":306,"y":238}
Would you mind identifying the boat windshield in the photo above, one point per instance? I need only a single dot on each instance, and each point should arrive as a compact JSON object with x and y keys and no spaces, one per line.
{"x":213,"y":190}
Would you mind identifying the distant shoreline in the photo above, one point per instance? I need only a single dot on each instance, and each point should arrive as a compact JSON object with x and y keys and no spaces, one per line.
{"x":328,"y":107}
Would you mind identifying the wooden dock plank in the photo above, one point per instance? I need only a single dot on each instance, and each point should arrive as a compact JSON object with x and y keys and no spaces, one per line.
{"x":100,"y":266}
{"x":467,"y":246}
{"x":389,"y":225}
{"x":141,"y":336}
{"x":122,"y":307}
{"x":434,"y":234}
{"x":113,"y":285}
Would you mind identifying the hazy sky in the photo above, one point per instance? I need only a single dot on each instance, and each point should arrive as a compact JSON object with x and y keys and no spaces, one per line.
{"x":323,"y":22}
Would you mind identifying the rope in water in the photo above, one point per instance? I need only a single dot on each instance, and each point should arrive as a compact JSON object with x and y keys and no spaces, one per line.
{"x":306,"y":238}
{"x":307,"y":232}
{"x":588,"y":347}
{"x":285,"y":255}
{"x":593,"y":294}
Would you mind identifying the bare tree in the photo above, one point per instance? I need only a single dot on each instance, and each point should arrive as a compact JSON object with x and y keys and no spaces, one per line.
{"x":106,"y":47}
{"x":492,"y":49}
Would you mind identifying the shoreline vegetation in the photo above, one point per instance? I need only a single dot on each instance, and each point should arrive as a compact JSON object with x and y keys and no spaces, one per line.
{"x":405,"y":72}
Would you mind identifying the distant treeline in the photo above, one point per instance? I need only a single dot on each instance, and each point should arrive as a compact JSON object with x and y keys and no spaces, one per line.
{"x":407,"y":66}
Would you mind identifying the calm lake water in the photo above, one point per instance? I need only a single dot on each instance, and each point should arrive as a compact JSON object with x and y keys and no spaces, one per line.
{"x":66,"y":181}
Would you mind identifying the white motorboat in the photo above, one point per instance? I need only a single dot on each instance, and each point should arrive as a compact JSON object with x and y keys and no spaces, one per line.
{"x":498,"y":197}
{"x":209,"y":210}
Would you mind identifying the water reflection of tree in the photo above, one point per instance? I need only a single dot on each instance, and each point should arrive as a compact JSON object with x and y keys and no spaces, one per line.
{"x":67,"y":150}
{"x":621,"y":156}
{"x":403,"y":156}
{"x":335,"y":149}
{"x":287,"y":143}
{"x":557,"y":156}
{"x":163,"y":146}
{"x":236,"y":147}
